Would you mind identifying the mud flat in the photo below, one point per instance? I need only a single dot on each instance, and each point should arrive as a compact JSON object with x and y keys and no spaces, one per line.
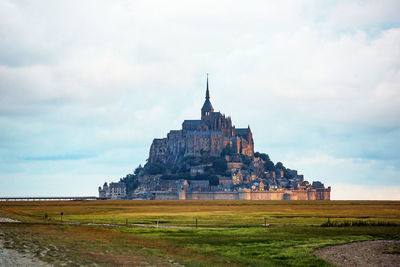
{"x":366,"y":253}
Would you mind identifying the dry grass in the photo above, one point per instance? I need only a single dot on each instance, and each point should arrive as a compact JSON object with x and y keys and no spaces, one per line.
{"x":290,"y":241}
{"x":83,"y":245}
{"x":209,"y":213}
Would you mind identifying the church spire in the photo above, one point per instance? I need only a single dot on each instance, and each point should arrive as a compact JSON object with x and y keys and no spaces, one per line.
{"x":207,"y":92}
{"x":207,"y":108}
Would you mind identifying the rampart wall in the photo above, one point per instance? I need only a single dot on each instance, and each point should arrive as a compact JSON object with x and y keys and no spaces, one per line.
{"x":311,"y":194}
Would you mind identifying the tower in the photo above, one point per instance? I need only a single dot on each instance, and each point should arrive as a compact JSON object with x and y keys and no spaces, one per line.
{"x":207,"y":108}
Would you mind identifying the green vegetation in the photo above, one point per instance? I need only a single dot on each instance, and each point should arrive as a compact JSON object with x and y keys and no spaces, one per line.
{"x":394,"y":250}
{"x":357,"y":223}
{"x":268,"y":165}
{"x":219,"y":165}
{"x":238,"y":235}
{"x":213,"y":166}
{"x":131,"y":180}
{"x":228,"y":150}
{"x":155,"y":168}
{"x":212,"y":213}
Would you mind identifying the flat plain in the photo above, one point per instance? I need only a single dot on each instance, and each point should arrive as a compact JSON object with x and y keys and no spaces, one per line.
{"x":250,"y":233}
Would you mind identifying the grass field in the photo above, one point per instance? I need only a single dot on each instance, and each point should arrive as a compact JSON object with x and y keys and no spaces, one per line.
{"x":238,"y":236}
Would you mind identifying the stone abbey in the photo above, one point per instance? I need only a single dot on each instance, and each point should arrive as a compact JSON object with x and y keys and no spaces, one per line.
{"x":207,"y":136}
{"x":212,"y":159}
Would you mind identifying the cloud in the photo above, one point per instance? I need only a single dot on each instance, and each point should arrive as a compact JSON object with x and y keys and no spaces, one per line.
{"x":364,"y":14}
{"x":362,"y":192}
{"x":351,"y":171}
{"x":58,"y":157}
{"x":313,"y":80}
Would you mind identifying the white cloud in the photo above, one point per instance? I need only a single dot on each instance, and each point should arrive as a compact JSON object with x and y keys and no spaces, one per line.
{"x":362,"y":192}
{"x":352,"y":171}
{"x":98,"y":77}
{"x":364,"y":13}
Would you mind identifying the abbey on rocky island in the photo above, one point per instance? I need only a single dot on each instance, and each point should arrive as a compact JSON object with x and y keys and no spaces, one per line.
{"x":207,"y":136}
{"x":212,"y":159}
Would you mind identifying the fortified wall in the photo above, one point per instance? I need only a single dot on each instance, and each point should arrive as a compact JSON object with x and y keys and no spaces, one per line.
{"x":246,"y":194}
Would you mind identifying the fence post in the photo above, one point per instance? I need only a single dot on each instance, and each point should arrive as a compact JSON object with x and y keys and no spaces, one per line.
{"x":265,"y":222}
{"x":196,"y":222}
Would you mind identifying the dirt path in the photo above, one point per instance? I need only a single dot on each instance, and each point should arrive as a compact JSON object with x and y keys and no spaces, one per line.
{"x":7,"y":220}
{"x":11,"y":258}
{"x":365,"y":253}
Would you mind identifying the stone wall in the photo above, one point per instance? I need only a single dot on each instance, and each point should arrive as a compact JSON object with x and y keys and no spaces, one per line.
{"x":247,"y":194}
{"x":204,"y":142}
{"x":166,"y":195}
{"x":212,"y":195}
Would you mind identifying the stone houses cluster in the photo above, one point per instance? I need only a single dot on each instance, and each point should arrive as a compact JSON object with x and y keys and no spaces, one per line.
{"x":253,"y":177}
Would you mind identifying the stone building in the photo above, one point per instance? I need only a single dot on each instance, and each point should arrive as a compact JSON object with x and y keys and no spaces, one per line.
{"x":207,"y":136}
{"x":183,"y":153}
{"x":112,"y":191}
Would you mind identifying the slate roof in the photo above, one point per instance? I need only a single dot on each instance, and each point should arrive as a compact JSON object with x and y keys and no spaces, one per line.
{"x":203,"y":133}
{"x":242,"y":131}
{"x":192,"y":122}
{"x":207,"y":105}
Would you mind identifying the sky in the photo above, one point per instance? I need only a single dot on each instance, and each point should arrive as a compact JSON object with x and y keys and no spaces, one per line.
{"x":85,"y":86}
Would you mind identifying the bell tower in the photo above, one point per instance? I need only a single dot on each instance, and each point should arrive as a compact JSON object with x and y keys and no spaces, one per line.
{"x":207,"y":108}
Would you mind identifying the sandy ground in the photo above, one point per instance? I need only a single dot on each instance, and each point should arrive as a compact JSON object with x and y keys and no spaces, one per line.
{"x":366,"y":253}
{"x":2,"y":219}
{"x":11,"y":258}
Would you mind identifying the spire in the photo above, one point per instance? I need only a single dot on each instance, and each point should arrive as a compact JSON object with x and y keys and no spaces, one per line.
{"x":207,"y":92}
{"x":207,"y":108}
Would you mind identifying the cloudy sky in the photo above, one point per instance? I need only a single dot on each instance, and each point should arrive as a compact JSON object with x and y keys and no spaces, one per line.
{"x":86,"y":85}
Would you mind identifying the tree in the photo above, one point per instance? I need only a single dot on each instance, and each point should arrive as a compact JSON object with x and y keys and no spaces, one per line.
{"x":269,"y":166}
{"x":263,"y":156}
{"x":288,"y":173}
{"x":213,"y":179}
{"x":154,"y":168}
{"x":220,"y":165}
{"x":138,"y":169}
{"x":279,"y":165}
{"x":131,"y":182}
{"x":228,"y":150}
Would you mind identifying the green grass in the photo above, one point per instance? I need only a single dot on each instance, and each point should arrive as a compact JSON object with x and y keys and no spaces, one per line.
{"x":295,"y":231}
{"x":209,"y":213}
{"x":288,"y":245}
{"x":394,"y":250}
